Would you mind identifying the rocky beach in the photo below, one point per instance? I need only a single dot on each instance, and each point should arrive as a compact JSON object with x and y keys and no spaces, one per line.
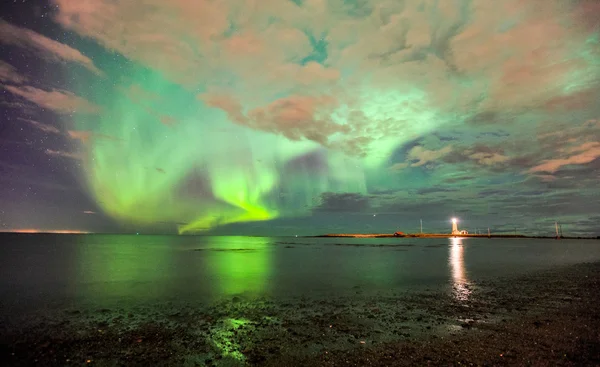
{"x":549,"y":317}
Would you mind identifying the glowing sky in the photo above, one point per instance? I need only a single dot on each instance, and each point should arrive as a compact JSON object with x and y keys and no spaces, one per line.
{"x":305,"y":116}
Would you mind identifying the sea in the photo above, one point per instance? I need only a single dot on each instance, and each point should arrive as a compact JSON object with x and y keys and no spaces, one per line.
{"x":55,"y":271}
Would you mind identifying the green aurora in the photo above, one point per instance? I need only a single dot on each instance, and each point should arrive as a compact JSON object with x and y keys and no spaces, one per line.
{"x":137,"y":157}
{"x":191,"y":116}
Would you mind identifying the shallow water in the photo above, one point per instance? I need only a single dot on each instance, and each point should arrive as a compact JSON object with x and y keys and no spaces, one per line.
{"x":103,"y":270}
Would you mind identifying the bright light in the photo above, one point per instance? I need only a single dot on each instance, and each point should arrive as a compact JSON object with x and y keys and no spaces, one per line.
{"x":454,"y":220}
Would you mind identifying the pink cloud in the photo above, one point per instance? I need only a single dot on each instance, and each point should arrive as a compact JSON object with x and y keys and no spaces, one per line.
{"x":176,"y":30}
{"x":564,"y":136}
{"x":85,"y":136}
{"x":49,"y":49}
{"x":44,"y":127}
{"x":168,"y":120}
{"x":568,"y":144}
{"x":227,"y":104}
{"x":409,"y":63}
{"x":59,"y":153}
{"x":295,"y":117}
{"x":8,"y":74}
{"x":422,"y":156}
{"x":56,"y":100}
{"x":584,"y":154}
{"x":298,"y":117}
{"x":399,"y":166}
{"x":488,"y":159}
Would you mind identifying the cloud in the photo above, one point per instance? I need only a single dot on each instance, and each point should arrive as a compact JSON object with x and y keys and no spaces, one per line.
{"x":419,"y":156}
{"x":399,"y":166}
{"x":167,"y":120}
{"x":392,"y":68}
{"x":83,"y":136}
{"x":59,"y":101}
{"x":342,"y":202}
{"x":565,"y":144}
{"x":59,"y":153}
{"x":86,"y":135}
{"x":295,"y":117}
{"x":583,"y":154}
{"x":488,"y":155}
{"x":434,"y":190}
{"x":44,"y":127}
{"x":488,"y":159}
{"x":387,"y":82}
{"x":48,"y":48}
{"x":424,"y":156}
{"x":8,"y":74}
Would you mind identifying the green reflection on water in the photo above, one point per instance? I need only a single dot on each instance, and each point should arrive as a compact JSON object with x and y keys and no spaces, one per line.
{"x":238,"y":265}
{"x":121,"y":266}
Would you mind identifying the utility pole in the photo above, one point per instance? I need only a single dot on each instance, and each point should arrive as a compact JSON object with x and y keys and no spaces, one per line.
{"x":421,"y":226}
{"x":489,"y":235}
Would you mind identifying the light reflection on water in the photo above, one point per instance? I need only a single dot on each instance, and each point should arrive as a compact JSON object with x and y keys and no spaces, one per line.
{"x":104,"y":269}
{"x":132,"y":267}
{"x":237,"y":267}
{"x":460,"y":282}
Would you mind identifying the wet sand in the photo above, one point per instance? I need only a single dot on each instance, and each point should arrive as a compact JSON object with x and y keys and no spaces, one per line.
{"x":545,"y":318}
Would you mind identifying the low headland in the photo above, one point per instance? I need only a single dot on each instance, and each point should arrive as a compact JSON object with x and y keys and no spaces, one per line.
{"x":443,"y":235}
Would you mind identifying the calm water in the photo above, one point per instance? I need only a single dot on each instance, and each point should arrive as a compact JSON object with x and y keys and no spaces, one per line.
{"x":101,"y":270}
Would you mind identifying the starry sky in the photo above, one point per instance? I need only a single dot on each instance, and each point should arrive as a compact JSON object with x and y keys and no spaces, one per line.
{"x":284,"y":117}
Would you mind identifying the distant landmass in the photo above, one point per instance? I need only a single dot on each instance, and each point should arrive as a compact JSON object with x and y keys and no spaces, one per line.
{"x":444,"y":235}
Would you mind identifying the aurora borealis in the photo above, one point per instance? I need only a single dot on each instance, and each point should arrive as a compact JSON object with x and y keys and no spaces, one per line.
{"x":296,"y":117}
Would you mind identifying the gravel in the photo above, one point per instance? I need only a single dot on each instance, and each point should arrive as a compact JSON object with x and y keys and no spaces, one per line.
{"x":545,"y":318}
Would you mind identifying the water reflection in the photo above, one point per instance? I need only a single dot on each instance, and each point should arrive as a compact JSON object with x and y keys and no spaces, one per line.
{"x":120,"y":267}
{"x":238,"y":265}
{"x":460,"y":283}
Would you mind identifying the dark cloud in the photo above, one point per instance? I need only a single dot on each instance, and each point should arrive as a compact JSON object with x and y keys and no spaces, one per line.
{"x":195,"y":185}
{"x":458,"y":179}
{"x":492,"y":192}
{"x":344,"y":202}
{"x":315,"y":162}
{"x":433,"y":190}
{"x":494,"y":134}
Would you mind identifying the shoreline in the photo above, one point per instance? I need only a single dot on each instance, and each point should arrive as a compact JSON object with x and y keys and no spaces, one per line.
{"x":552,"y":313}
{"x":442,"y":235}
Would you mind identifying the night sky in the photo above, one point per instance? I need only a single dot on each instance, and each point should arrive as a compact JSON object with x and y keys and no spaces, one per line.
{"x":283,"y":117}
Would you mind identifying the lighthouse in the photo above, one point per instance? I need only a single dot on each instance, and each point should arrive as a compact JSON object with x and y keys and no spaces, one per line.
{"x":455,"y":226}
